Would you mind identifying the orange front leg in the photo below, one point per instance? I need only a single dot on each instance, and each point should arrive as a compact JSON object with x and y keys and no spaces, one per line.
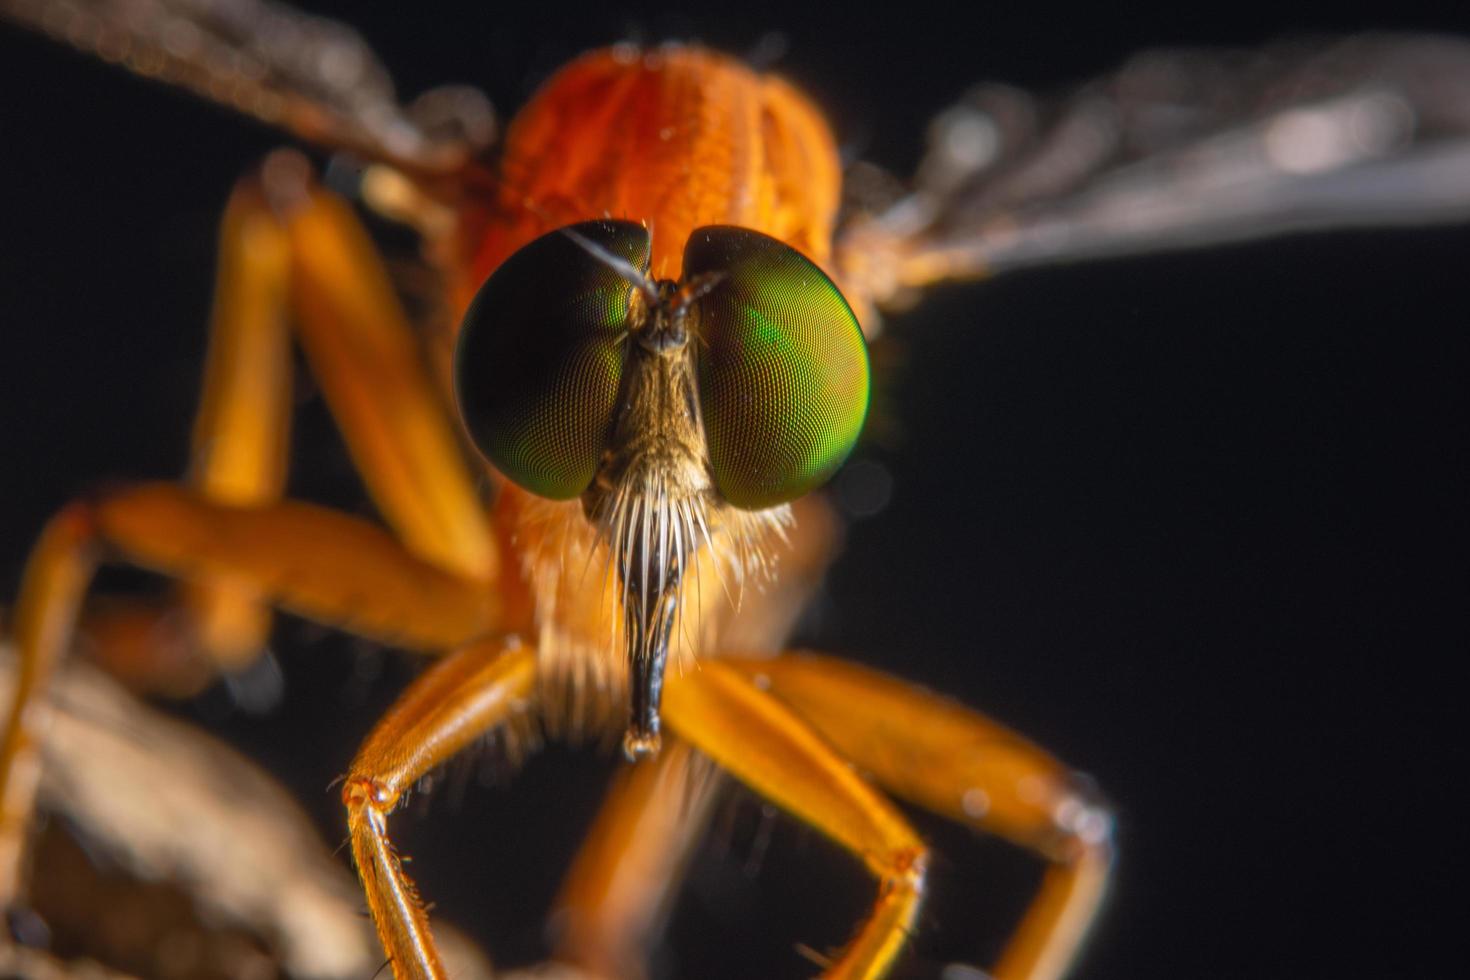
{"x":461,"y":698}
{"x":768,"y":747}
{"x":330,"y":567}
{"x":951,"y":760}
{"x":399,"y":428}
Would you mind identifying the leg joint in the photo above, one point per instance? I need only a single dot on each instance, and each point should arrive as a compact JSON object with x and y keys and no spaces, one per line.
{"x":365,"y":793}
{"x":906,"y":869}
{"x":1083,"y":819}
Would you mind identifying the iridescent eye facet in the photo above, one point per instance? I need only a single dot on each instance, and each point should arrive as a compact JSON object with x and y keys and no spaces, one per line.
{"x":782,"y":366}
{"x":540,"y":357}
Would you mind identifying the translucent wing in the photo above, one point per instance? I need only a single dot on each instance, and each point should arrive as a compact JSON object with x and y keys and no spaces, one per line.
{"x":311,"y":76}
{"x":1179,"y":149}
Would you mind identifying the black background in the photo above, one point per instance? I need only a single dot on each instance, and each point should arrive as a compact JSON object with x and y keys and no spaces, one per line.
{"x":1195,"y":523}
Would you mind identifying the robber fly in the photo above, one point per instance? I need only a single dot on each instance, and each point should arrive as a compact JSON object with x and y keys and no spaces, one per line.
{"x":623,"y":394}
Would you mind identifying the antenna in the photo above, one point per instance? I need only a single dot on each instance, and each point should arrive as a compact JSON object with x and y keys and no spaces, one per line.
{"x":617,"y":264}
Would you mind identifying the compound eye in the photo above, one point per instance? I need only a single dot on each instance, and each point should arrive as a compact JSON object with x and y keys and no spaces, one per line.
{"x":783,"y":369}
{"x":540,"y":357}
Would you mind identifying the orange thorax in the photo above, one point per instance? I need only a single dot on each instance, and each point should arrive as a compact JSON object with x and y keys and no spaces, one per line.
{"x":675,"y":137}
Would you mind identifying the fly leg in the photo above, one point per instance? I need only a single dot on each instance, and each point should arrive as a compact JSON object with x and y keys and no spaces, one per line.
{"x":620,"y":888}
{"x":400,"y":430}
{"x":292,"y":254}
{"x":286,"y":245}
{"x":238,"y":457}
{"x":767,"y":746}
{"x":961,"y":765}
{"x":464,"y":696}
{"x":241,"y":431}
{"x":324,"y":565}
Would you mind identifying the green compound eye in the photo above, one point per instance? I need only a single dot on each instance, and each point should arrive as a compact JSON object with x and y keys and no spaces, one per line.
{"x":540,"y":357}
{"x":783,"y":369}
